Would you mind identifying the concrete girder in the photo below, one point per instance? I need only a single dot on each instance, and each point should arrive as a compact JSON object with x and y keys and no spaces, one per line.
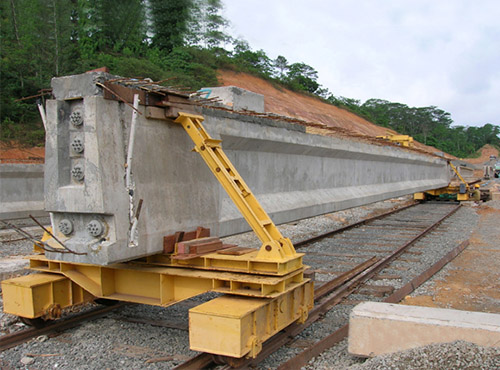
{"x":293,"y":174}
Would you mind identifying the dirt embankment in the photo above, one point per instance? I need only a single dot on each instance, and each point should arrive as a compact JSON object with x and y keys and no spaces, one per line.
{"x":486,"y":152}
{"x":15,"y":153}
{"x":279,"y":101}
{"x":284,"y":102}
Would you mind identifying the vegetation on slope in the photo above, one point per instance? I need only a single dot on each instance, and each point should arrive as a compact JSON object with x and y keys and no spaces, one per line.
{"x":183,"y":41}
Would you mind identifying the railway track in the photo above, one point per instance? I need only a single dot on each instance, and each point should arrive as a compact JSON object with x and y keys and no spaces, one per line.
{"x":7,"y":235}
{"x":24,"y":222}
{"x":385,"y":238}
{"x":13,"y":339}
{"x":351,"y":255}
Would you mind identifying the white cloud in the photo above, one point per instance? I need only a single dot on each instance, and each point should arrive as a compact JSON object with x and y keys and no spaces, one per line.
{"x":418,"y":52}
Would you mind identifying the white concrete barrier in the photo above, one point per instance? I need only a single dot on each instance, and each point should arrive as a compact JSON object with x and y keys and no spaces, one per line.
{"x":376,"y":328}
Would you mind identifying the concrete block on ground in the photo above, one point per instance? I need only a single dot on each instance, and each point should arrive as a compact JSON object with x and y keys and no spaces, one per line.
{"x":495,"y":196}
{"x":237,"y":98}
{"x":377,"y":328}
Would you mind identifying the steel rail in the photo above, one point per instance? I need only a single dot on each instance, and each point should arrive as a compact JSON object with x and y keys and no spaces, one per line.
{"x":13,"y":339}
{"x":285,"y":336}
{"x":351,"y":226}
{"x":340,"y":334}
{"x":203,"y":360}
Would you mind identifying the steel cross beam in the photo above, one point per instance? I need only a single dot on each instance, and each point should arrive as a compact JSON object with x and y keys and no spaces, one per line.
{"x":274,"y":246}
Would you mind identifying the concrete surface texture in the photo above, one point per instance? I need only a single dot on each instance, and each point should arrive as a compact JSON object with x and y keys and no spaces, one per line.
{"x":293,"y":174}
{"x":236,"y":98}
{"x":21,"y":190}
{"x":377,"y":328}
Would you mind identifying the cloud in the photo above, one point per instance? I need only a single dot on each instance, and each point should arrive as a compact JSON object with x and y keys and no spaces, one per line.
{"x":420,"y":53}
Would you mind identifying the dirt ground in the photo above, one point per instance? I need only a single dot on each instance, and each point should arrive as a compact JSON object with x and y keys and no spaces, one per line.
{"x":14,"y":153}
{"x":471,"y":281}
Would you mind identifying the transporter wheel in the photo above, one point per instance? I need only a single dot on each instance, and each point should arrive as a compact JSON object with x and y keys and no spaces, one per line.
{"x":105,"y":301}
{"x":226,"y":360}
{"x":37,"y":322}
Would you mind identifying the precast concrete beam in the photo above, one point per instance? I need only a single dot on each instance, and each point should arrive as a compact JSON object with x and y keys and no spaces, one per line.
{"x":292,"y":173}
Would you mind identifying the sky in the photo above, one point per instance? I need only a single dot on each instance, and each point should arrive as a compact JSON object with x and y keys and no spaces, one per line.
{"x":444,"y":53}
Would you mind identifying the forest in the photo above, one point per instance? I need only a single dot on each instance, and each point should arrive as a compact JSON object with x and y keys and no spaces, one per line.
{"x":182,"y":41}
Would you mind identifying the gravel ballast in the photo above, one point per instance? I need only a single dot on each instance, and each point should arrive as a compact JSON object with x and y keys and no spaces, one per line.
{"x":114,"y":342}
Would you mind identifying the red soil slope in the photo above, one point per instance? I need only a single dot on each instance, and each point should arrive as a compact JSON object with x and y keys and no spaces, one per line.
{"x":14,"y":153}
{"x":486,"y":151}
{"x":277,"y":100}
{"x":288,"y":103}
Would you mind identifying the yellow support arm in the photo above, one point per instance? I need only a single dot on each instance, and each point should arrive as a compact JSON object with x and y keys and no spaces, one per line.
{"x":274,"y":246}
{"x":458,"y":174}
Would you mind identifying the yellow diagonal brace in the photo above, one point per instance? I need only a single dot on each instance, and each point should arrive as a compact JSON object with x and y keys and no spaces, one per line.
{"x":274,"y":246}
{"x":458,"y":174}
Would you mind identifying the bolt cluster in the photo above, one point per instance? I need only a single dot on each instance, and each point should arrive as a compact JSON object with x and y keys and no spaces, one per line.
{"x":76,"y":118}
{"x":77,"y":173}
{"x":95,"y":228}
{"x":77,"y":145}
{"x":66,"y":226}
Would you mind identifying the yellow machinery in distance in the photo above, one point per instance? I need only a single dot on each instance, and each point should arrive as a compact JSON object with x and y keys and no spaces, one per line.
{"x":403,"y":140}
{"x":461,"y":192}
{"x":265,"y":289}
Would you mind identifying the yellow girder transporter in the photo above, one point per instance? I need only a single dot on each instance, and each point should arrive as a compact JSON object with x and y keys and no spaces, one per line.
{"x":265,"y":289}
{"x":460,"y":192}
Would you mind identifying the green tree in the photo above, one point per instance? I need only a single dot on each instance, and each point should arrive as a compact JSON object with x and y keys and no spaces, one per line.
{"x":281,"y":65}
{"x":169,"y":21}
{"x":36,"y":44}
{"x":303,"y":77}
{"x":249,"y":60}
{"x":122,"y":25}
{"x":215,"y":25}
{"x":207,"y":25}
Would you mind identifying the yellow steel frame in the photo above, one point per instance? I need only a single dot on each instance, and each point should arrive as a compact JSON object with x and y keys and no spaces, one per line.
{"x":404,"y":140}
{"x":447,"y":190}
{"x":163,"y":286}
{"x":274,"y":246}
{"x":248,"y":263}
{"x":41,"y":295}
{"x":458,"y":175}
{"x":450,"y":189}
